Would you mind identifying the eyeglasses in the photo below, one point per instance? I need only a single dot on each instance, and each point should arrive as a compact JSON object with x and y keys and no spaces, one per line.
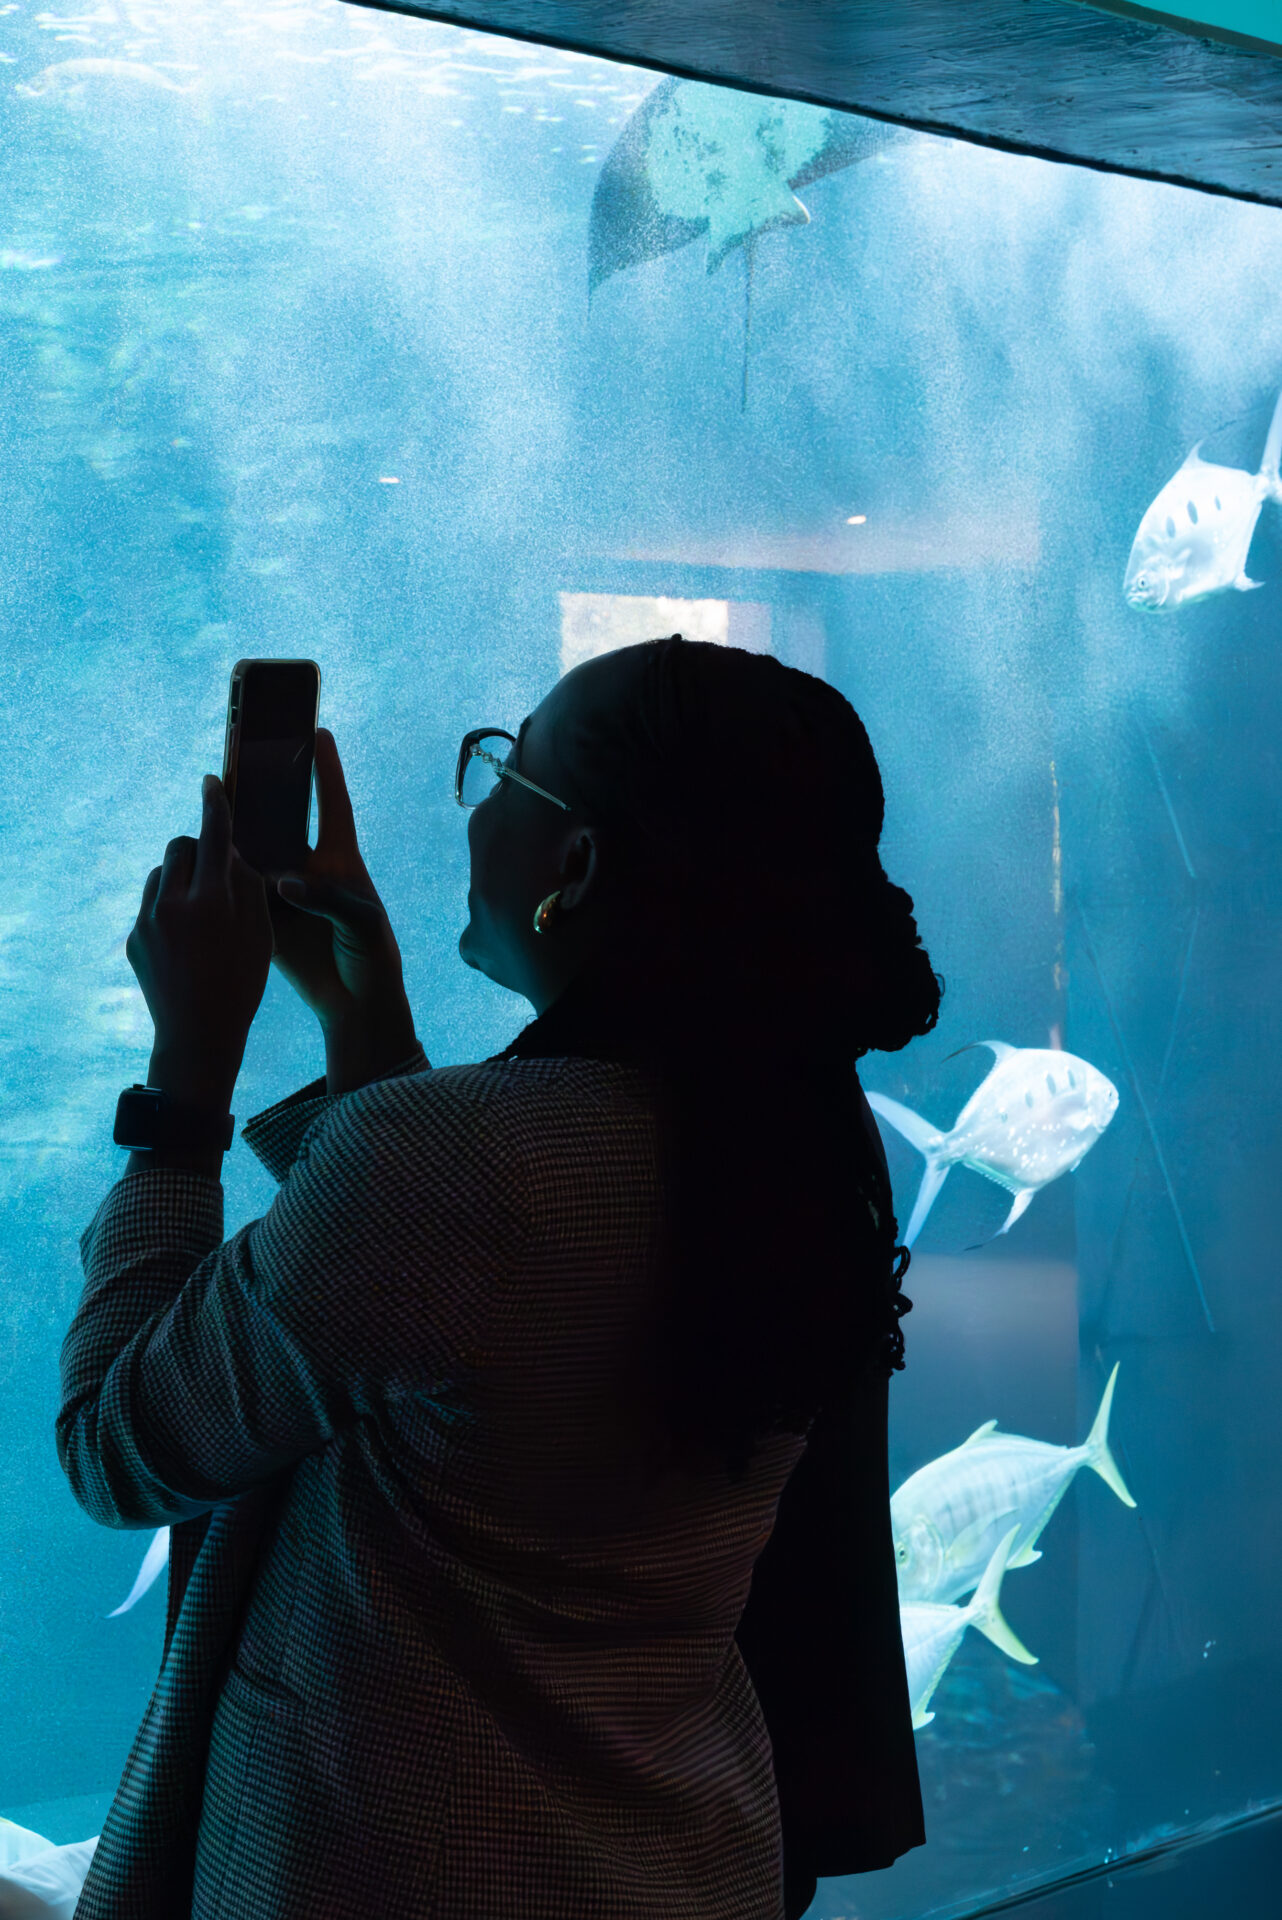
{"x":482,"y":764}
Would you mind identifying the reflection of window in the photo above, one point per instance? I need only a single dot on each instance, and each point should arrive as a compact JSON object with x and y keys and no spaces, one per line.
{"x":593,"y":623}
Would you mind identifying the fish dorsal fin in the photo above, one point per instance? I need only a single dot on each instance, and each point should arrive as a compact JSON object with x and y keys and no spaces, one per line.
{"x":980,"y":1433}
{"x":1000,"y":1049}
{"x":1195,"y":467}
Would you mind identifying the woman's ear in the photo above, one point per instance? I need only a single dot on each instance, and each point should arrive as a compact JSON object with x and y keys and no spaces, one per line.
{"x":580,"y":866}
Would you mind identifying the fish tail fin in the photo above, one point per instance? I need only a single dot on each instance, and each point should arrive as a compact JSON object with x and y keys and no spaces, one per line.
{"x":1098,"y":1455}
{"x":154,"y":1560}
{"x":983,"y":1612}
{"x":917,"y":1132}
{"x":920,"y":1134}
{"x":931,"y":1181}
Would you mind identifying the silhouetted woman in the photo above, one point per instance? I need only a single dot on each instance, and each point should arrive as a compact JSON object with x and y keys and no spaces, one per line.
{"x":474,"y":1442}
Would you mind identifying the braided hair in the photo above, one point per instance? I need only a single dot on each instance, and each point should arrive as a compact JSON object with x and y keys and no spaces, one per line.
{"x":759,"y":951}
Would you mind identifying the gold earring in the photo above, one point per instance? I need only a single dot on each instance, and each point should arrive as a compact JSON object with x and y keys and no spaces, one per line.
{"x":544,"y":911}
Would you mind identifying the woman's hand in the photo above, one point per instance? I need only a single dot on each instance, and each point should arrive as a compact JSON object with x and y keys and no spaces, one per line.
{"x":201,"y":948}
{"x":334,"y":942}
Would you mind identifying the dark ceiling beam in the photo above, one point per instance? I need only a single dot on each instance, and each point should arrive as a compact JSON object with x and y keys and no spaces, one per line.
{"x":1200,"y":29}
{"x":1052,"y":78}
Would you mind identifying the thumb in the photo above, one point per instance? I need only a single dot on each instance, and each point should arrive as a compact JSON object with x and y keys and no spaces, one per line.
{"x":328,"y":900}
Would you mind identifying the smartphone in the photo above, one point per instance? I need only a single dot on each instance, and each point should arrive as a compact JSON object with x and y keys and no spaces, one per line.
{"x":272,"y":707}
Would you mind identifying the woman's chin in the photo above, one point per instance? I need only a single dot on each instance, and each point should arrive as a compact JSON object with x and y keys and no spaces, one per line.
{"x":471,"y":955}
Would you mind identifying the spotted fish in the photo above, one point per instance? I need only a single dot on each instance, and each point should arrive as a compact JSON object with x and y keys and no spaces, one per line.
{"x":1037,"y":1115}
{"x":1194,"y":539}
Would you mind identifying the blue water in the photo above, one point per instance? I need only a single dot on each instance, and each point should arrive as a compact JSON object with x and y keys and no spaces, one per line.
{"x":297,"y":359}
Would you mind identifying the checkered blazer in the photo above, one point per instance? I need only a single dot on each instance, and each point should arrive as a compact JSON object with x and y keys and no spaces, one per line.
{"x":434,"y":1649}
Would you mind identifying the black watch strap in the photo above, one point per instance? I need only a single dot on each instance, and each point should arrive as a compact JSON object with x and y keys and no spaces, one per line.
{"x":147,"y":1118}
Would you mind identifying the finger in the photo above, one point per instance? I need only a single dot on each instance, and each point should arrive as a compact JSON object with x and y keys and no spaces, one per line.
{"x":150,"y":888}
{"x":329,"y":901}
{"x":241,"y":873}
{"x":213,"y":850}
{"x":335,"y":825}
{"x":249,"y":889}
{"x":177,"y":867}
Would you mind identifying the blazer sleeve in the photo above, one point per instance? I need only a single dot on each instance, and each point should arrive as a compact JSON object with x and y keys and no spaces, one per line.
{"x":276,"y":1135}
{"x":192,"y":1372}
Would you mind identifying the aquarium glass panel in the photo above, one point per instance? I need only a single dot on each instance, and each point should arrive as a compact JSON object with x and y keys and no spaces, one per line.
{"x":448,"y":362}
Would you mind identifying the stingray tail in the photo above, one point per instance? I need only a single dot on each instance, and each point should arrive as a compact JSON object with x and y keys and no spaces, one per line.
{"x":920,"y":1134}
{"x":1272,"y":452}
{"x":749,"y":249}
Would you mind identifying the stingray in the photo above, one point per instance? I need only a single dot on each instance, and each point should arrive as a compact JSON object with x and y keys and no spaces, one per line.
{"x":696,"y":162}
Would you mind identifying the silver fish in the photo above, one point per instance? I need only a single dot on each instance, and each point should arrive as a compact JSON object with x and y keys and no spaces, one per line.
{"x":932,"y":1634}
{"x":155,"y":1560}
{"x":1194,"y":539}
{"x":73,"y":73}
{"x":1037,"y":1115}
{"x":13,"y":260}
{"x":947,"y":1515}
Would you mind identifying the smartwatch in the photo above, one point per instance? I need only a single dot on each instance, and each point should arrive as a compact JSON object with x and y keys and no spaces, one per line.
{"x":146,"y":1118}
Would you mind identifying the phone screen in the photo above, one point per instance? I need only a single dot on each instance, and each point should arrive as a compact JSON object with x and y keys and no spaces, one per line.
{"x":267,"y":764}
